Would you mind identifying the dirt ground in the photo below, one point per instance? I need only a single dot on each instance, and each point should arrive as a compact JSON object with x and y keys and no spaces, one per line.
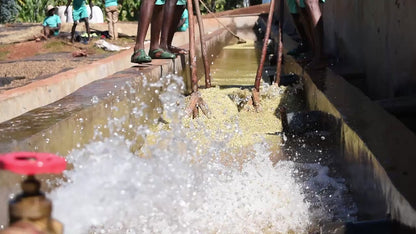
{"x":24,"y":62}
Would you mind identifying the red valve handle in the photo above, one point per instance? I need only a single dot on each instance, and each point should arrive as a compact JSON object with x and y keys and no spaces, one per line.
{"x":31,"y":163}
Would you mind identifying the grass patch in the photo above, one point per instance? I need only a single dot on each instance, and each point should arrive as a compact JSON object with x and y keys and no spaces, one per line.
{"x":57,"y":46}
{"x":3,"y":53}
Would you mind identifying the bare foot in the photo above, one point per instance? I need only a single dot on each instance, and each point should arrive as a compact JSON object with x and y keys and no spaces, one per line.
{"x":177,"y":50}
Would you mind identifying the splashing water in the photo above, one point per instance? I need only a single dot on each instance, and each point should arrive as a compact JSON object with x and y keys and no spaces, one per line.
{"x":173,"y":188}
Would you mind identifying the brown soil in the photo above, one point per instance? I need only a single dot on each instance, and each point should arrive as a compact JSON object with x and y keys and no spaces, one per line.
{"x":22,"y":50}
{"x":38,"y":60}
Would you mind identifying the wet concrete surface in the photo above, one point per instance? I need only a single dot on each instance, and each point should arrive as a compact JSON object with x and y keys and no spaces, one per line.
{"x":376,"y":148}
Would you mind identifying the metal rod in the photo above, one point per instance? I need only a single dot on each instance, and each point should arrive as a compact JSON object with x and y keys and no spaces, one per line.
{"x":240,"y":40}
{"x":203,"y":46}
{"x":264,"y":49}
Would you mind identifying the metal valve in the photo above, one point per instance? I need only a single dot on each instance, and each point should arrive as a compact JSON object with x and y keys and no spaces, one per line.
{"x":31,"y":209}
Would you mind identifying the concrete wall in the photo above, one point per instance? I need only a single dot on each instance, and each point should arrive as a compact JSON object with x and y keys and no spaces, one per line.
{"x":377,"y":38}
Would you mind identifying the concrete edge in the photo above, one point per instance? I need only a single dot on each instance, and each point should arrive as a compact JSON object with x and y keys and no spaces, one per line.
{"x":17,"y":101}
{"x":371,"y":140}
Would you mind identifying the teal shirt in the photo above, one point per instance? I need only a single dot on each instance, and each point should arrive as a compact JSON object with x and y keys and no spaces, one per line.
{"x":52,"y":21}
{"x":109,"y":3}
{"x":76,"y":4}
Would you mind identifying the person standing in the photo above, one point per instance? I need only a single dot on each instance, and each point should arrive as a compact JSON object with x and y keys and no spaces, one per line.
{"x":112,"y":12}
{"x":150,"y":10}
{"x":79,"y":13}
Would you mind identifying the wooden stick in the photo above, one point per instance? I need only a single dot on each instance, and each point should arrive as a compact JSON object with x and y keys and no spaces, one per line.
{"x":256,"y":97}
{"x":203,"y":45}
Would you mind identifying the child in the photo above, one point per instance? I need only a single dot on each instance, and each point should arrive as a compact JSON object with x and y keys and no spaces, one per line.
{"x":150,"y":10}
{"x":51,"y":24}
{"x":79,"y":13}
{"x":111,"y":10}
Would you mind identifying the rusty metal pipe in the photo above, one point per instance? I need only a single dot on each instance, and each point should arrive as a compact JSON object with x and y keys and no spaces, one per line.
{"x":203,"y":46}
{"x":264,"y":49}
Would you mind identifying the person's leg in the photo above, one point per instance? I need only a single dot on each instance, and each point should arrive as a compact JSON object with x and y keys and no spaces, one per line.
{"x":304,"y":42}
{"x":87,"y":26}
{"x":146,"y":11}
{"x":176,"y":19}
{"x":115,"y":20}
{"x":110,"y":22}
{"x":47,"y":31}
{"x":317,"y":32}
{"x":155,"y":51}
{"x":168,"y":18}
{"x":304,"y":20}
{"x":74,"y":26}
{"x":157,"y":20}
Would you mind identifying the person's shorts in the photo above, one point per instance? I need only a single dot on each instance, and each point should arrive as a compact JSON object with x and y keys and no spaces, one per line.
{"x":78,"y":14}
{"x":181,"y":2}
{"x":293,"y":8}
{"x":160,"y":2}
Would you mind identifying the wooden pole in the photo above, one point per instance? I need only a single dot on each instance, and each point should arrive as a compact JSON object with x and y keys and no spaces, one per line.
{"x":192,"y":56}
{"x":203,"y":46}
{"x":256,"y":90}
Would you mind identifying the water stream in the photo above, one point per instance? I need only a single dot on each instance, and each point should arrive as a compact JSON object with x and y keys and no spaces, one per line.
{"x":179,"y":182}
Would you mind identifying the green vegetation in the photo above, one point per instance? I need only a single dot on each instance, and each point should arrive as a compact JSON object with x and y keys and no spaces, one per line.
{"x":8,"y":11}
{"x":34,"y":10}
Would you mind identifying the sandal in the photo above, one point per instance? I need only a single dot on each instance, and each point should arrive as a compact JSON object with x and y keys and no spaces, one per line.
{"x":140,"y":56}
{"x":161,"y":54}
{"x":177,"y":50}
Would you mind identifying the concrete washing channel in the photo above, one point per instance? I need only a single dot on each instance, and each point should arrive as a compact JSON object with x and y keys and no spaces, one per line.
{"x":61,"y":114}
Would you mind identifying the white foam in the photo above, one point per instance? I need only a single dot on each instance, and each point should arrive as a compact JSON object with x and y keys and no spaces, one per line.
{"x":177,"y":189}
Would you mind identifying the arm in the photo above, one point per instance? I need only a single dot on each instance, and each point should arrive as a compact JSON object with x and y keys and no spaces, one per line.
{"x":58,"y":27}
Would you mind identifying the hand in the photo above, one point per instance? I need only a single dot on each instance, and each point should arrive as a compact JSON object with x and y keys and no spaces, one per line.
{"x":66,"y":11}
{"x":91,"y":14}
